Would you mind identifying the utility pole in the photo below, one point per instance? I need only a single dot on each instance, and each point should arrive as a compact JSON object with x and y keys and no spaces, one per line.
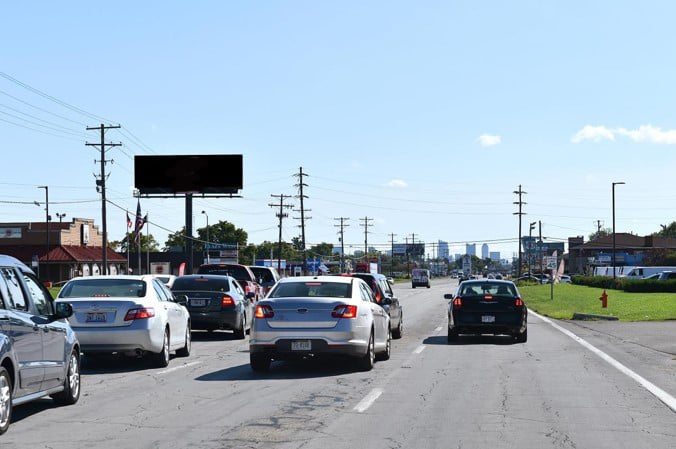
{"x":101,"y":185}
{"x":413,"y":245}
{"x":392,"y":253}
{"x":366,"y":225}
{"x":520,"y":214}
{"x":300,"y":195}
{"x":281,"y":215}
{"x":598,"y":226}
{"x":342,"y":225}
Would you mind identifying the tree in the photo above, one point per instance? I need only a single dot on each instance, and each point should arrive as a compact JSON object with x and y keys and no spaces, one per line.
{"x":221,"y":232}
{"x":667,"y":230}
{"x":148,"y":243}
{"x":323,"y":249}
{"x":605,"y":232}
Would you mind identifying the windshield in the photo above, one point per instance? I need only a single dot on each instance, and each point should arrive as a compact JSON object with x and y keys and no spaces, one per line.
{"x":311,"y":289}
{"x":215,"y":284}
{"x":103,"y":288}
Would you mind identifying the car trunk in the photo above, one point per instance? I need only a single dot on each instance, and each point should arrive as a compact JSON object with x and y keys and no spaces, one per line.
{"x":488,"y":309}
{"x":304,"y":313}
{"x":204,"y":300}
{"x":95,"y":313}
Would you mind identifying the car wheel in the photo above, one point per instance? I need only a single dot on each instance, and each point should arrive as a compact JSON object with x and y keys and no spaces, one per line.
{"x":452,"y":335}
{"x":161,"y":359}
{"x":522,"y":337}
{"x":399,"y":331}
{"x":5,"y":400}
{"x":71,"y":384}
{"x":185,"y":350}
{"x":260,"y":362}
{"x":385,"y":355}
{"x":240,"y":333}
{"x":367,"y":361}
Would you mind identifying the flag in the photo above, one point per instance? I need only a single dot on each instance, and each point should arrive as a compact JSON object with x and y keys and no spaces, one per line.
{"x":129,"y":223}
{"x":140,"y":221}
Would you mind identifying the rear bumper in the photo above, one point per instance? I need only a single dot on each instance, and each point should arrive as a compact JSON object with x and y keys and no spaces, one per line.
{"x":471,"y":323}
{"x":119,"y":339}
{"x":281,"y":350}
{"x":226,"y":319}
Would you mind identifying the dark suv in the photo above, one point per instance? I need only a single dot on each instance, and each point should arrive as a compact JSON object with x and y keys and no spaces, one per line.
{"x":39,"y":352}
{"x":385,"y":297}
{"x":242,"y":273}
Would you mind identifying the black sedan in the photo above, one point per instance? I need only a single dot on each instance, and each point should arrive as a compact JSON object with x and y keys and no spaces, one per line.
{"x":216,"y":302}
{"x":487,"y":306}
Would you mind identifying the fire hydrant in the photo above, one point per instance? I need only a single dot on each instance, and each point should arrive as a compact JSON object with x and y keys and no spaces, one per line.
{"x":604,"y":300}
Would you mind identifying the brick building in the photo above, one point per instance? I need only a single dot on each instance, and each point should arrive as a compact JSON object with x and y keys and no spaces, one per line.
{"x":75,"y":248}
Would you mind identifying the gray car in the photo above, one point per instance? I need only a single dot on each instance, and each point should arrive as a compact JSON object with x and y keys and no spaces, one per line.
{"x":39,"y":352}
{"x":310,"y":316}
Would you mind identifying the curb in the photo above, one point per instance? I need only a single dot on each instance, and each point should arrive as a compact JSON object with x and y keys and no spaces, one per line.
{"x":588,"y":316}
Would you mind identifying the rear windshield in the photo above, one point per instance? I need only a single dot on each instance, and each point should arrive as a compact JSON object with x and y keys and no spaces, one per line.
{"x":201,"y":284}
{"x":487,"y":288}
{"x":310,"y":289}
{"x":263,"y":273}
{"x":236,"y":271}
{"x":103,"y":288}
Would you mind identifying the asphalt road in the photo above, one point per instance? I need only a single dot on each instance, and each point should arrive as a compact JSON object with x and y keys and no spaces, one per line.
{"x":483,"y":392}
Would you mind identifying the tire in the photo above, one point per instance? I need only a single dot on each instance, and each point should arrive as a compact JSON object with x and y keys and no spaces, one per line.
{"x":399,"y":331}
{"x":71,"y":384}
{"x":385,"y":355}
{"x":260,"y":362}
{"x":240,"y":333}
{"x":428,"y":285}
{"x":413,"y":285}
{"x":185,"y":350}
{"x":452,"y":336}
{"x":522,"y":337}
{"x":5,"y":400}
{"x":367,"y":361}
{"x":161,"y":359}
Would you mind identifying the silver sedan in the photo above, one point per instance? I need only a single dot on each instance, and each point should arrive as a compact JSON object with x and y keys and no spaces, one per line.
{"x":311,"y":316}
{"x":134,"y":315}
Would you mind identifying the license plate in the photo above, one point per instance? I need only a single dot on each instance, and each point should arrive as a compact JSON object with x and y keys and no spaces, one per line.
{"x":488,"y":319}
{"x":96,"y":318}
{"x":198,"y":302}
{"x":301,"y":345}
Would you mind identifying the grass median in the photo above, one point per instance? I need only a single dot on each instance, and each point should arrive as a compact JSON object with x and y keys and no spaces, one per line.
{"x":569,"y":299}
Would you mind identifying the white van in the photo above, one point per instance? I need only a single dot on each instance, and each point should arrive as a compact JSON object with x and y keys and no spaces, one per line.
{"x":644,"y":272}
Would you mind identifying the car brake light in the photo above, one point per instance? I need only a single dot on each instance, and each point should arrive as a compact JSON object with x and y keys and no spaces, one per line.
{"x":139,"y":314}
{"x":457,"y":302}
{"x":488,"y":297}
{"x":263,"y":311}
{"x":227,"y":301}
{"x":344,"y":311}
{"x":518,"y":302}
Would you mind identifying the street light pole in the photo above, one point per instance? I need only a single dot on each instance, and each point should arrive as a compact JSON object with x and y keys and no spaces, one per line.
{"x":47,"y":217}
{"x":60,"y":216}
{"x":614,"y":270}
{"x":530,"y":247}
{"x":207,"y":246}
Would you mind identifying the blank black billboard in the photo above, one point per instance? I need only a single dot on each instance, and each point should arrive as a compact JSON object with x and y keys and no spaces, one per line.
{"x":210,"y":173}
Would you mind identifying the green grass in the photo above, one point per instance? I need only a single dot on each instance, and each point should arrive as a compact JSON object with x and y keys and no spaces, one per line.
{"x":569,"y":298}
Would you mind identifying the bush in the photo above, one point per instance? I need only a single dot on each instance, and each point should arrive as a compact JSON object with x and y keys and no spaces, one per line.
{"x":649,"y":286}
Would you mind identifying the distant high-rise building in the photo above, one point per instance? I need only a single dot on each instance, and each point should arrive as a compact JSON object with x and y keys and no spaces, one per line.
{"x":457,"y":256}
{"x":484,"y":251}
{"x":443,"y":250}
{"x":494,"y":255}
{"x":470,"y":249}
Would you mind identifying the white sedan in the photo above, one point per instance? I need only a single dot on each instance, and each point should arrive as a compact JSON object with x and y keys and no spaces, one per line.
{"x":132,"y":315}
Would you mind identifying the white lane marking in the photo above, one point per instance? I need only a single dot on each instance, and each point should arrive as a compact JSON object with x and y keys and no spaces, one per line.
{"x":176,"y":368}
{"x":662,"y":395}
{"x":370,"y":398}
{"x":419,"y":349}
{"x":437,"y":329}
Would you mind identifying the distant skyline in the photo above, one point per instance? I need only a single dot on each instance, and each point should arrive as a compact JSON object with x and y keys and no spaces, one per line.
{"x":422,"y":117}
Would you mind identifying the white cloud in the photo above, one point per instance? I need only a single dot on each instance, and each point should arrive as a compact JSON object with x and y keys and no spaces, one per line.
{"x":644,"y":134}
{"x":398,"y":183}
{"x":486,"y":140}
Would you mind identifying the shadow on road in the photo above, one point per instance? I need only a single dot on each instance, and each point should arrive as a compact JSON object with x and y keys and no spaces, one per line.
{"x":284,"y":370}
{"x":465,"y":340}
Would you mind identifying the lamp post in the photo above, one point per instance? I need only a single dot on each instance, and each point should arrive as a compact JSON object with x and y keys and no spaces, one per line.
{"x":530,"y":247}
{"x":207,"y":245}
{"x":60,"y":216}
{"x":614,"y":270}
{"x":47,"y":218}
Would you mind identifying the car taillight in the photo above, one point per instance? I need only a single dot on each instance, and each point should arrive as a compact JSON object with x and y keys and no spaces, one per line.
{"x":488,"y":297}
{"x":457,"y":302}
{"x":139,"y":314}
{"x":518,"y":302}
{"x":344,"y":311}
{"x":264,"y":312}
{"x":227,"y":301}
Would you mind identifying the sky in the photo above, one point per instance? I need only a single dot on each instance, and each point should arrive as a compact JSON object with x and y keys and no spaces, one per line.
{"x":419,"y":118}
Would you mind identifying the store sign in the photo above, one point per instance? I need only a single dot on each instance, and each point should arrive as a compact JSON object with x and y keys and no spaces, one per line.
{"x":10,"y":233}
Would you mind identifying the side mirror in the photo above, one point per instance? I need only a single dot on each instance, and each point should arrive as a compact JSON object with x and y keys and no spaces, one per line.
{"x":386,"y":300}
{"x":62,"y":310}
{"x":251,"y":296}
{"x":182,"y":299}
{"x":448,"y":296}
